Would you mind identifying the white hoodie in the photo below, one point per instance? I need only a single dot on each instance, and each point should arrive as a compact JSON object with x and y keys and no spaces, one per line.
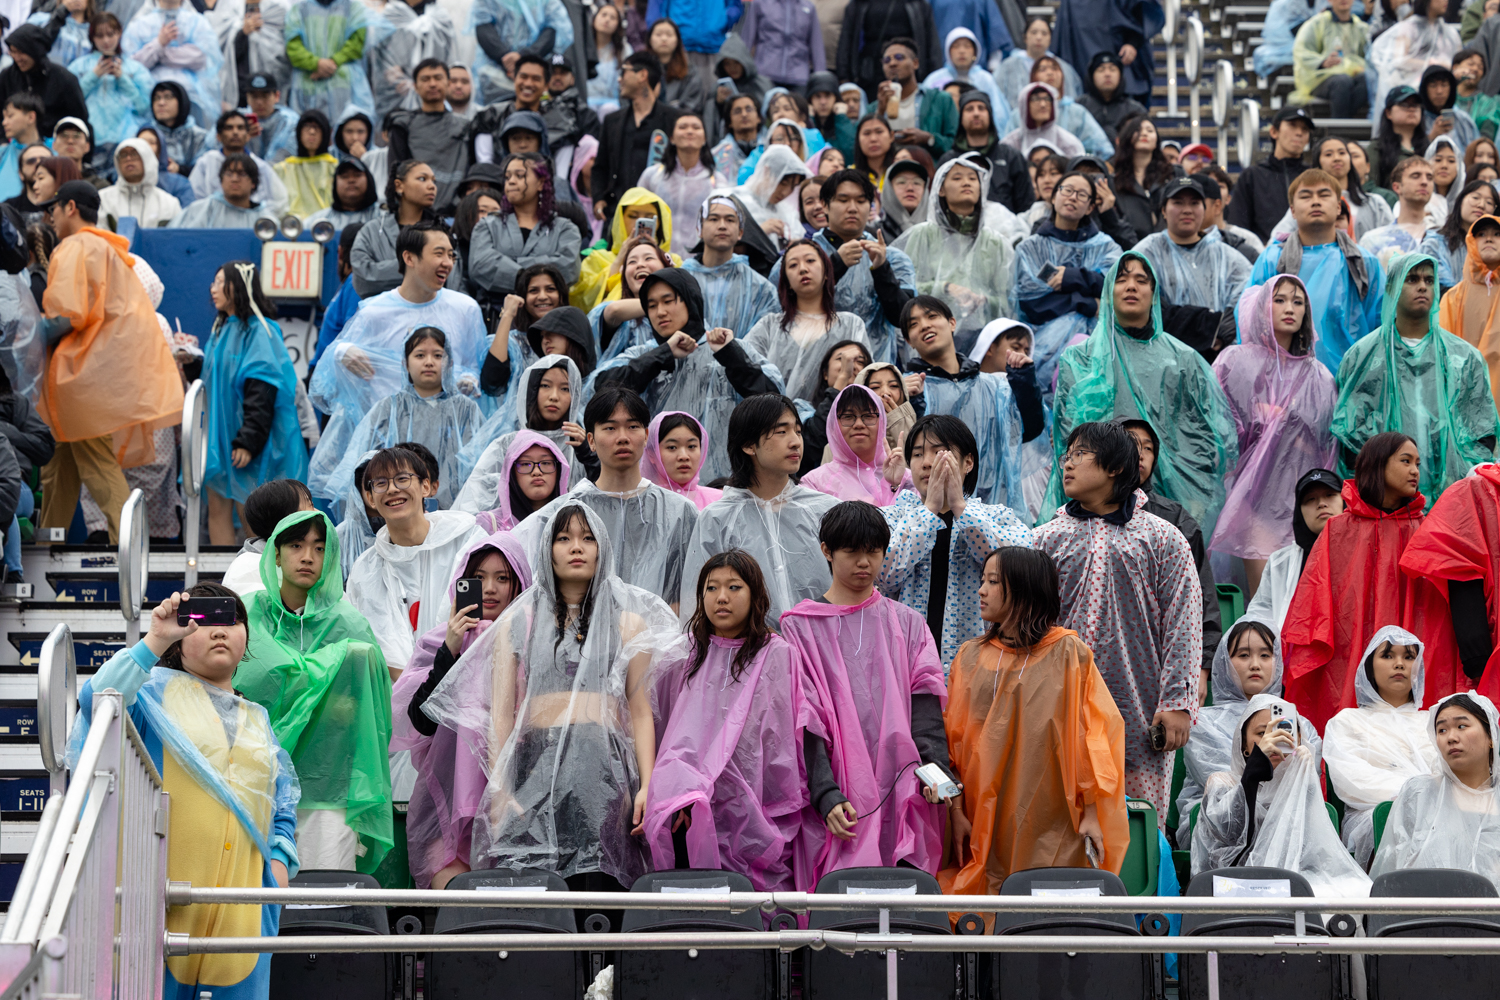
{"x":147,"y":203}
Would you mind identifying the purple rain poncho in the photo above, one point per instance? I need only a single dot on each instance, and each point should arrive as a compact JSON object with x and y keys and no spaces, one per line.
{"x":1282,"y":406}
{"x":860,"y":667}
{"x":733,"y":749}
{"x":655,"y":470}
{"x":846,"y":477}
{"x":450,"y":780}
{"x":501,"y":518}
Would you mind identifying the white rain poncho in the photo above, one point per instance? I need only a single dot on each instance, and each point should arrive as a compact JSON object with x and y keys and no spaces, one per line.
{"x":800,"y":365}
{"x":199,"y":76}
{"x":1058,"y":317}
{"x":399,"y":39}
{"x":518,"y":23}
{"x":1437,"y":821}
{"x":1278,"y":582}
{"x":651,"y":526}
{"x":388,"y":579}
{"x":481,"y":463}
{"x":1210,"y":273}
{"x":324,"y":28}
{"x":265,"y":47}
{"x":987,"y":407}
{"x":980,"y":261}
{"x":549,"y":719}
{"x":782,"y":535}
{"x":214,"y":212}
{"x":1211,"y":741}
{"x":1399,"y":55}
{"x":1372,"y":750}
{"x":1291,"y":826}
{"x":855,"y":293}
{"x":776,"y":163}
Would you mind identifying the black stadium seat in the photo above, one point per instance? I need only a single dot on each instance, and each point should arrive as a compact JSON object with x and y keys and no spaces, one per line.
{"x":710,"y":975}
{"x":1392,"y":977}
{"x":332,"y":975}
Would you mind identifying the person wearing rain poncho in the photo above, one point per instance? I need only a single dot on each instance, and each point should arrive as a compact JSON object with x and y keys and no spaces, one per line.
{"x":639,"y":213}
{"x":352,"y":199}
{"x":1399,"y":55}
{"x":1015,"y":69}
{"x":770,"y":192}
{"x":1037,"y":123}
{"x":961,"y":66}
{"x":325,"y":43}
{"x":675,"y":447}
{"x":1471,"y":309}
{"x":1412,"y":375}
{"x":1317,"y":499}
{"x":233,"y":820}
{"x":178,"y":45}
{"x":621,"y":323}
{"x":1450,"y":818}
{"x":316,"y":669}
{"x":509,"y":28}
{"x":554,"y":700}
{"x":533,"y":473}
{"x":1073,"y":118}
{"x":233,"y":205}
{"x":862,"y":466}
{"x":450,"y":779}
{"x":253,"y":40}
{"x":405,"y":33}
{"x":1195,"y":268}
{"x":1328,"y":60}
{"x":1267,"y":809}
{"x":136,"y":193}
{"x":941,"y":534}
{"x":551,"y":328}
{"x":308,"y":173}
{"x":727,"y":696}
{"x":1247,"y":662}
{"x":1042,"y":762}
{"x":1411,"y":180}
{"x":1278,"y":37}
{"x":1281,"y":398}
{"x":1130,"y":367}
{"x":1371,"y":750}
{"x":182,"y":140}
{"x":962,"y":253}
{"x":698,"y":371}
{"x":118,"y":99}
{"x":735,"y":297}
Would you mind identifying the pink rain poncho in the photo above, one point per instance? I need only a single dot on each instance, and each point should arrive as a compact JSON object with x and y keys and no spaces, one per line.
{"x":450,"y":780}
{"x":731,"y":750}
{"x":1282,"y":405}
{"x":860,"y":667}
{"x":654,"y":468}
{"x":846,"y":477}
{"x":502,"y":518}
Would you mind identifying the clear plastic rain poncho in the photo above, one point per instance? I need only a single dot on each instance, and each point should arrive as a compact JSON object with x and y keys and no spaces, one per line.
{"x":988,"y":408}
{"x":1028,"y":135}
{"x":1281,"y":404}
{"x":782,"y":535}
{"x":846,"y":477}
{"x":731,"y":751}
{"x":654,"y":468}
{"x":548,"y":716}
{"x":501,"y":517}
{"x":354,"y":529}
{"x":735,"y":296}
{"x":485,"y":455}
{"x":193,"y":32}
{"x":855,"y":293}
{"x":518,"y":23}
{"x":1291,"y":828}
{"x":1437,"y":821}
{"x":323,"y":29}
{"x":1210,"y":273}
{"x":443,"y":423}
{"x":1057,"y":324}
{"x":1437,"y":392}
{"x":322,"y":678}
{"x":450,"y":780}
{"x":265,"y":48}
{"x":776,"y":164}
{"x":1373,"y":749}
{"x":1160,"y":380}
{"x":1390,"y":242}
{"x":800,"y":365}
{"x":631,"y":333}
{"x":399,"y":39}
{"x":974,"y":255}
{"x":1399,"y":55}
{"x":1211,"y":741}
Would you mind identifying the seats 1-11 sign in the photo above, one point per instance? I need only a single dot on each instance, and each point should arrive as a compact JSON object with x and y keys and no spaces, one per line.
{"x":291,"y":270}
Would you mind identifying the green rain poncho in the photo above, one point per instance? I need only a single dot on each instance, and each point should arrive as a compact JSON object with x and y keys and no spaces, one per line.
{"x":322,"y":678}
{"x":1159,"y":379}
{"x":1436,"y":392}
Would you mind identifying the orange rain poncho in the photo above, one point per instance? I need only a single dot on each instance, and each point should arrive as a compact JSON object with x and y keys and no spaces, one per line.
{"x":1471,"y":309}
{"x":114,"y":374}
{"x":1034,"y":736}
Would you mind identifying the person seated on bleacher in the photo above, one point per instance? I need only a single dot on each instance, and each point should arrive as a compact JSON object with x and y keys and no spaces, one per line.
{"x":1401,"y":54}
{"x":1440,"y":116}
{"x":1371,"y":750}
{"x":1267,"y":809}
{"x":1072,"y":116}
{"x":232,"y":206}
{"x":353,"y":198}
{"x":1412,"y":182}
{"x":1329,"y":61}
{"x":1042,"y":762}
{"x":1448,"y":819}
{"x":1261,"y":193}
{"x":1036,"y":122}
{"x":409,"y":195}
{"x":264,"y":508}
{"x":1196,"y":268}
{"x":233,"y":133}
{"x":1318,"y":498}
{"x":1278,"y":36}
{"x":177,"y":684}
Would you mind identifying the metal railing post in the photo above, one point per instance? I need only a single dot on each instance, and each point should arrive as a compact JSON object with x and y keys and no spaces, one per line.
{"x":1171,"y":11}
{"x":194,"y":459}
{"x":56,"y":702}
{"x":891,"y":968}
{"x":1223,"y":105}
{"x":1247,"y":143}
{"x":133,"y":558}
{"x":1193,"y":67}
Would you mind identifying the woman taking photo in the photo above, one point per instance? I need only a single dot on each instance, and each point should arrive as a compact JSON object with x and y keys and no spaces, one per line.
{"x":408,"y":200}
{"x":118,"y":91}
{"x":796,"y":339}
{"x":685,"y":175}
{"x":526,"y":231}
{"x":675,"y":447}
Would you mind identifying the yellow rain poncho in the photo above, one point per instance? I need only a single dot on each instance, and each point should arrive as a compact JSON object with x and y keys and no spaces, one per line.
{"x":595,"y":284}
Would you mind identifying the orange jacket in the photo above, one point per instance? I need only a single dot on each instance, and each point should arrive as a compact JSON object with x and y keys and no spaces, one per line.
{"x":1471,"y":309}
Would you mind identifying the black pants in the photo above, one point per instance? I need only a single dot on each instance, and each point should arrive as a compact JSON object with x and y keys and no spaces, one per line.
{"x":1347,"y":95}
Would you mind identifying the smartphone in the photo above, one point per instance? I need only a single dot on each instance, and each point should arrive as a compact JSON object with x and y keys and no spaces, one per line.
{"x":468,"y":590}
{"x":1158,"y":735}
{"x":252,"y":118}
{"x":206,"y":611}
{"x":1046,"y":273}
{"x":646,"y":227}
{"x":934,"y":777}
{"x":728,"y":82}
{"x":1279,"y":721}
{"x":1093,"y":855}
{"x":169,"y":15}
{"x":253,"y":7}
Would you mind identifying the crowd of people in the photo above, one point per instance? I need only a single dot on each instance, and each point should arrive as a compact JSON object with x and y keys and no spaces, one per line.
{"x":699,"y":437}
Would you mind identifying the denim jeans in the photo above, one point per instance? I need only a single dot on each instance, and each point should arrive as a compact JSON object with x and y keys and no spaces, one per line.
{"x":25,"y":508}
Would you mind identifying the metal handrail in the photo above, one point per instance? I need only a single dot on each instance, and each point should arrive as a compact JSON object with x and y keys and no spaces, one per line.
{"x":133,"y":559}
{"x":194,"y":462}
{"x":56,"y":701}
{"x":1171,"y":15}
{"x":1223,"y":107}
{"x":1247,"y":142}
{"x":1192,"y":56}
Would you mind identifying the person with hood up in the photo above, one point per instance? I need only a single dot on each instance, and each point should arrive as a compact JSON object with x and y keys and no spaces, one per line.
{"x":1104,"y":95}
{"x":233,"y":205}
{"x":735,"y":61}
{"x":836,"y":129}
{"x":1196,"y":268}
{"x":1318,"y":498}
{"x":33,"y":71}
{"x":319,"y":674}
{"x":523,"y":132}
{"x":233,"y":131}
{"x":178,"y":45}
{"x":1282,"y":398}
{"x":1015,"y":70}
{"x":770,"y":192}
{"x":1072,"y":117}
{"x":964,"y":66}
{"x":526,"y":232}
{"x":862,"y":467}
{"x":1471,"y":309}
{"x":534,"y":473}
{"x":505,"y":30}
{"x":979,"y":132}
{"x":640,"y":214}
{"x":675,"y":448}
{"x":182,"y":139}
{"x":308,"y":173}
{"x":1038,"y":123}
{"x":550,"y":328}
{"x":554,"y":700}
{"x":118,"y":97}
{"x":325,"y":44}
{"x":903,"y":197}
{"x":136,"y":193}
{"x":353,"y":198}
{"x":962,"y":254}
{"x":735,"y":297}
{"x":698,"y":371}
{"x":400,"y":39}
{"x":450,"y":779}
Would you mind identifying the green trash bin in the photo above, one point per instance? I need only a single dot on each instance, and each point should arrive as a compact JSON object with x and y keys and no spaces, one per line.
{"x":394,"y":871}
{"x":1143,"y":856}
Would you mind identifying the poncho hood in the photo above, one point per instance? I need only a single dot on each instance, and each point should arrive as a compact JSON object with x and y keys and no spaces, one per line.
{"x":322,"y":596}
{"x":1488,"y":708}
{"x":1458,"y":155}
{"x":184,"y":103}
{"x":1258,"y":703}
{"x":1365,"y":693}
{"x":1476,"y":270}
{"x":532,"y":381}
{"x":523,"y":441}
{"x":571,"y":322}
{"x":937,"y":205}
{"x":1225,"y":680}
{"x":891,"y":205}
{"x":1258,"y":328}
{"x":687,"y":288}
{"x":148,"y":161}
{"x":655,"y":469}
{"x":867,"y":477}
{"x":640,"y":196}
{"x":1355,"y":504}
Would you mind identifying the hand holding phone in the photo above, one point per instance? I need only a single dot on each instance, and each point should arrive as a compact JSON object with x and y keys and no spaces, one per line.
{"x":468,"y":596}
{"x":646,"y":227}
{"x":206,"y":611}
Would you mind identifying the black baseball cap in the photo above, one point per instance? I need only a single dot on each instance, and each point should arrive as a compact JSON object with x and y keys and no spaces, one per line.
{"x":560,"y":62}
{"x":1182,"y":185}
{"x":1397,"y":95}
{"x":82,"y":193}
{"x":1293,"y":113}
{"x":908,"y":167}
{"x":261,"y":83}
{"x":1318,"y":477}
{"x":1210,"y":187}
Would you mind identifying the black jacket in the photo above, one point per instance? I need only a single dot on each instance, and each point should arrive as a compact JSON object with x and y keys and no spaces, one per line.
{"x":568,"y":117}
{"x":1171,"y":511}
{"x":1023,"y":387}
{"x":59,"y":90}
{"x":1260,"y":195}
{"x":888,"y":291}
{"x":1010,"y":179}
{"x":258,"y":410}
{"x":27,"y":434}
{"x":617,"y":168}
{"x":863,"y":32}
{"x":10,"y":485}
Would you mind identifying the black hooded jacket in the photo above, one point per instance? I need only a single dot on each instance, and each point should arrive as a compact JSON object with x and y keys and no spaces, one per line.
{"x":372,"y":190}
{"x":1112,"y":113}
{"x":59,"y":90}
{"x":338,"y":138}
{"x":1010,"y":178}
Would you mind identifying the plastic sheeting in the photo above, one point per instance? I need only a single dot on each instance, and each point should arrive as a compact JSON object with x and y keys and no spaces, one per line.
{"x":239,"y":350}
{"x":987,"y":407}
{"x":1096,"y":253}
{"x":1210,"y":273}
{"x":1282,"y":404}
{"x":518,"y":23}
{"x":1399,"y":55}
{"x":800,"y":365}
{"x":1027,"y":136}
{"x":193,"y":31}
{"x":501,"y":517}
{"x":1015,"y":73}
{"x":654,"y":465}
{"x":734,"y":295}
{"x":399,"y":39}
{"x":855,"y":293}
{"x":354,"y":531}
{"x":731,"y":751}
{"x":776,"y":163}
{"x":265,"y":48}
{"x":443,"y":423}
{"x":846,"y":477}
{"x":324,"y":28}
{"x":548,"y":717}
{"x":1389,"y":242}
{"x":1342,"y":316}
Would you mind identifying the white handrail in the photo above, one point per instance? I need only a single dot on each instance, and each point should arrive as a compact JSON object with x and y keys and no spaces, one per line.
{"x":1171,"y":15}
{"x":1247,"y":142}
{"x":56,"y":701}
{"x":194,"y":461}
{"x":1223,"y":106}
{"x":133,"y":558}
{"x":1192,"y":57}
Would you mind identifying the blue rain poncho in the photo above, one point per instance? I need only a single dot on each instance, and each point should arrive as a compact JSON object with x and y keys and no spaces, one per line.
{"x":734,"y":295}
{"x":984,"y":402}
{"x":323,"y":29}
{"x":72,"y":39}
{"x":1279,"y":34}
{"x":1389,"y":242}
{"x":183,"y":143}
{"x":1343,"y":315}
{"x":118,"y":105}
{"x":1436,"y":392}
{"x":1076,"y":120}
{"x":214,"y":212}
{"x":799,"y":365}
{"x":399,"y":39}
{"x":443,"y":423}
{"x":239,"y":350}
{"x":197,"y":70}
{"x":631,"y":333}
{"x":1209,"y":273}
{"x":855,"y":293}
{"x":978,"y":78}
{"x":1162,"y":381}
{"x":1015,"y":73}
{"x":1058,"y":316}
{"x":518,"y":23}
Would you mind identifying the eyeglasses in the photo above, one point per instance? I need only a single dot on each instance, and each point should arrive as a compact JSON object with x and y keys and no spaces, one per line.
{"x":1077,"y":455}
{"x":1073,"y":193}
{"x":235,"y":173}
{"x":546,"y":466}
{"x":402,"y":481}
{"x":850,"y":419}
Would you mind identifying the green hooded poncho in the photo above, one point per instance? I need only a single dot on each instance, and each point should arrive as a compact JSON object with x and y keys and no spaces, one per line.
{"x":323,"y":679}
{"x":1158,"y":379}
{"x":1437,"y":392}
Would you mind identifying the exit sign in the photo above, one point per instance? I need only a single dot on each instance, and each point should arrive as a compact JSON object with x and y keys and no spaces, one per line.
{"x":291,"y":270}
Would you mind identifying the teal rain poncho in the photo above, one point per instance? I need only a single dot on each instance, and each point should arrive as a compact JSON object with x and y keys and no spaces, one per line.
{"x":1161,"y":380}
{"x":1437,"y":393}
{"x":323,"y":29}
{"x":322,"y":679}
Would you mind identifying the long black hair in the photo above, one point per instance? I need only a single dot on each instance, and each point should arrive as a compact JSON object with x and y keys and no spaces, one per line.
{"x":399,"y":172}
{"x":669,"y":161}
{"x":1122,"y":167}
{"x":1369,"y":467}
{"x":1355,"y":192}
{"x":756,"y":634}
{"x":1388,"y":145}
{"x":564,"y":519}
{"x":1455,"y":230}
{"x":1031,"y":587}
{"x":534,"y":419}
{"x":241,"y":296}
